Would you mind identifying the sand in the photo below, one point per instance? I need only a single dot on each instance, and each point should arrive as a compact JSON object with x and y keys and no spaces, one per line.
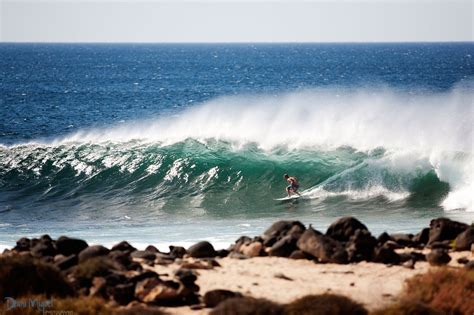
{"x":283,"y":280}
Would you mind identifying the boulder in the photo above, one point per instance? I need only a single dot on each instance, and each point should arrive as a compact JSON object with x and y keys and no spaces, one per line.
{"x":214,"y":297}
{"x":438,"y":257}
{"x":285,"y":246}
{"x":123,"y":293}
{"x":22,"y":245}
{"x":422,"y":238}
{"x":252,"y":249}
{"x":67,"y":262}
{"x":124,"y":246}
{"x":386,"y":255}
{"x":343,"y":228}
{"x":93,"y":251}
{"x":43,"y":248}
{"x":154,"y":290}
{"x":402,"y":239}
{"x":443,"y":229}
{"x":281,"y":228}
{"x":384,"y":237}
{"x":70,"y":246}
{"x":323,"y":247}
{"x":177,"y":252}
{"x":201,"y":250}
{"x":361,"y":246}
{"x":143,"y":254}
{"x":465,"y":240}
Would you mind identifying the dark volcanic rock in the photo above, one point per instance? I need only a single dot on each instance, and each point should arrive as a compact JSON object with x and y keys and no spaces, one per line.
{"x":422,"y":237}
{"x":322,"y":247}
{"x":93,"y":251}
{"x":22,"y":245}
{"x":361,"y":246}
{"x":143,"y":254}
{"x":123,"y":293}
{"x":214,"y":297}
{"x":43,"y":248}
{"x":67,"y":262}
{"x":384,"y":237}
{"x":281,"y":228}
{"x":201,"y":250}
{"x":123,"y":246}
{"x":70,"y":246}
{"x":386,"y":255}
{"x":443,"y":229}
{"x":465,"y":240}
{"x":438,"y":257}
{"x":344,"y":228}
{"x":177,"y":252}
{"x":402,"y":239}
{"x":284,"y":247}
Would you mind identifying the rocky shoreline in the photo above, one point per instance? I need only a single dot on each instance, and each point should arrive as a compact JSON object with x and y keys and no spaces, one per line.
{"x":127,"y":279}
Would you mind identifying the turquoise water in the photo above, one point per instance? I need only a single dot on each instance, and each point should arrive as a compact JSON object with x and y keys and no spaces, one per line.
{"x":176,"y":143}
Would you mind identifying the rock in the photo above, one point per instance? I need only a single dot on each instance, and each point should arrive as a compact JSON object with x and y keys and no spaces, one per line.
{"x":214,"y":297}
{"x":415,"y":256}
{"x":67,"y":262}
{"x":462,"y":260}
{"x":299,"y":254}
{"x":402,"y":239}
{"x":440,"y":245}
{"x":285,"y":246}
{"x":222,"y":253}
{"x":361,"y":246}
{"x":153,"y":249}
{"x":177,"y":252}
{"x":123,"y":246}
{"x":185,"y":276}
{"x":443,"y":229}
{"x":123,"y":293}
{"x":201,"y":250}
{"x":252,"y":249}
{"x":70,"y":246}
{"x":153,"y":290}
{"x":410,"y":264}
{"x":281,"y":228}
{"x":438,"y":257}
{"x":22,"y":245}
{"x":239,"y":242}
{"x":342,"y":229}
{"x":121,"y":257}
{"x":43,"y":248}
{"x":322,"y":247}
{"x":393,"y":245}
{"x":386,"y":255}
{"x":384,"y":237}
{"x":422,"y":237}
{"x":92,"y":251}
{"x":465,"y":239}
{"x":143,"y":254}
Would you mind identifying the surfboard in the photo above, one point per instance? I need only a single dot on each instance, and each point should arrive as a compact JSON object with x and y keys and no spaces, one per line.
{"x":288,"y":198}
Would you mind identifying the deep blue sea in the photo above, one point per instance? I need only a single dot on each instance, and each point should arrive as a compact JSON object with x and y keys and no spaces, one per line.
{"x":174,"y":143}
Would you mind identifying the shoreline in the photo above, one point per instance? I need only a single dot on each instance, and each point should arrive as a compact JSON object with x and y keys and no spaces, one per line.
{"x":287,"y":262}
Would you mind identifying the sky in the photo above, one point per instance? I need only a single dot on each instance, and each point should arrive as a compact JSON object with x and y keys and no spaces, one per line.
{"x":236,"y":21}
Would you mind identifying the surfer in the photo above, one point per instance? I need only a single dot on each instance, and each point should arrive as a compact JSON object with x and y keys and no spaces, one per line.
{"x":293,"y":186}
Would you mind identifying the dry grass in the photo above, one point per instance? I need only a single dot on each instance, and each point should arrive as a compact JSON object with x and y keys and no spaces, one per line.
{"x":23,"y":275}
{"x":325,"y":304}
{"x":440,"y":291}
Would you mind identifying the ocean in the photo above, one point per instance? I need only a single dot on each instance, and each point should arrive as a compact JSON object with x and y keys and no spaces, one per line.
{"x":175,"y":143}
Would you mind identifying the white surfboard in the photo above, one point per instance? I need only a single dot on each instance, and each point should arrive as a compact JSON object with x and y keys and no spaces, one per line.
{"x":288,"y":198}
